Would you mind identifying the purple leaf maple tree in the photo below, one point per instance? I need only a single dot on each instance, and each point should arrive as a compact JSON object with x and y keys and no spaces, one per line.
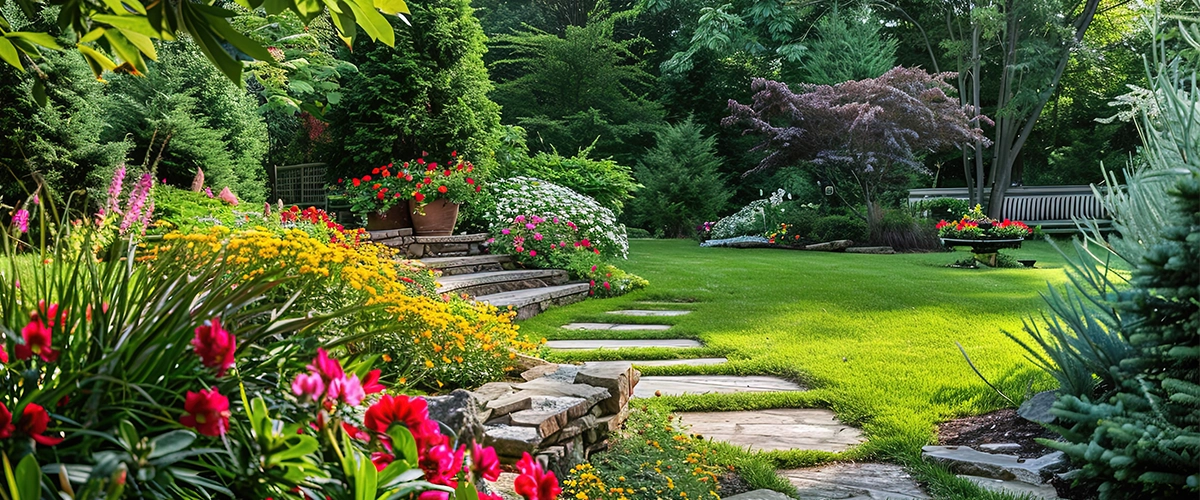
{"x":862,"y":129}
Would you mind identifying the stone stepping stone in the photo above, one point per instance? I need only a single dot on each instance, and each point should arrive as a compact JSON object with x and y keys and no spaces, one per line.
{"x":614,"y":326}
{"x":760,"y":495}
{"x":855,"y":481}
{"x":1018,"y":488}
{"x":621,"y":344}
{"x":704,"y":384}
{"x":648,"y":312}
{"x":661,"y":362}
{"x":967,"y":460}
{"x":773,"y":430}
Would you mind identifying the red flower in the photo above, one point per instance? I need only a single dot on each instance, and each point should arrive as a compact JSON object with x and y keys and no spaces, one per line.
{"x":477,"y":189}
{"x":470,"y":181}
{"x":420,"y":161}
{"x":426,"y":180}
{"x":33,"y":423}
{"x":408,"y":177}
{"x":366,"y":178}
{"x":207,"y":411}
{"x":941,"y":224}
{"x":484,"y":462}
{"x":386,"y":173}
{"x":534,"y":483}
{"x":3,"y":354}
{"x":419,"y":197}
{"x":381,"y":460}
{"x":37,"y":337}
{"x":454,"y":154}
{"x":339,"y":180}
{"x":6,"y":423}
{"x":442,"y":189}
{"x":356,"y":182}
{"x":412,"y":413}
{"x":375,"y":171}
{"x":441,"y":463}
{"x":371,"y":385}
{"x":380,"y":195}
{"x":446,"y":173}
{"x":215,"y":346}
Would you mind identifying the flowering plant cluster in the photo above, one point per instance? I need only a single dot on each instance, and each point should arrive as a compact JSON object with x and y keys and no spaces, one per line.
{"x":381,"y":189}
{"x":527,"y":197}
{"x":420,"y":180}
{"x":179,"y":371}
{"x":453,"y":181}
{"x":653,"y":460}
{"x":753,"y":219}
{"x":538,"y":242}
{"x":607,"y":280}
{"x":976,"y":225}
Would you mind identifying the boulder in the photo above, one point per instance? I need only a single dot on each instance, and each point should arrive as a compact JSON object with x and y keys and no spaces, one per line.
{"x":872,"y":250}
{"x":1037,"y":408}
{"x":198,"y":181}
{"x":618,"y":378}
{"x":545,"y":387}
{"x":538,"y":372}
{"x":760,"y":495}
{"x":830,"y":246}
{"x":968,"y":461}
{"x":524,"y":362}
{"x":508,"y":404}
{"x":458,"y":411}
{"x":548,"y":414}
{"x":511,"y":441}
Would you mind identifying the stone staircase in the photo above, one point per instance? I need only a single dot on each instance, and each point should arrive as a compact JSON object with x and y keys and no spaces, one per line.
{"x":466,"y":269}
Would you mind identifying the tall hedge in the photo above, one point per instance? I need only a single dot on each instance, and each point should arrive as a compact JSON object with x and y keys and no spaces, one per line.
{"x":426,"y":94}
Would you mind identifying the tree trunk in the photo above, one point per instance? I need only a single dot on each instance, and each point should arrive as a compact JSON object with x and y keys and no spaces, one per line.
{"x":1013,"y":131}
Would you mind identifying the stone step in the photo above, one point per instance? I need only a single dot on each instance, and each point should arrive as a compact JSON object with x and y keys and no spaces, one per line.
{"x":453,"y":266}
{"x":772,"y":430}
{"x":530,"y":302}
{"x":417,"y":247}
{"x":621,"y":344}
{"x":494,"y":282}
{"x":859,"y":481}
{"x":662,"y":362}
{"x":648,"y":312}
{"x":706,"y":384}
{"x":614,"y":326}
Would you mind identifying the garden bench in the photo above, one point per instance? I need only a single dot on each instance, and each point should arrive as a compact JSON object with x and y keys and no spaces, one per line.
{"x":1054,"y":208}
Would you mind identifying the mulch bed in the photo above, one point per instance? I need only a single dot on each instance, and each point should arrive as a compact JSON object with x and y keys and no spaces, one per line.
{"x":733,"y":484}
{"x":1001,"y":426}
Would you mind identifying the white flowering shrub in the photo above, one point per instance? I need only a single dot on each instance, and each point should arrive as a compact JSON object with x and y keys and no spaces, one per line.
{"x":528,"y":196}
{"x":753,"y":219}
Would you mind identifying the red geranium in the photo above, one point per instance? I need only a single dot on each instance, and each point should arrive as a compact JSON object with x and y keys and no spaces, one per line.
{"x":37,"y":337}
{"x":6,"y":422}
{"x":206,"y":411}
{"x":215,"y":346}
{"x":534,"y":483}
{"x":34,"y":421}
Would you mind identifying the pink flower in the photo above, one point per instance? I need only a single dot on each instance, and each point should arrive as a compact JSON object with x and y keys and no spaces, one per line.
{"x":137,"y":201}
{"x":3,"y":354}
{"x":371,"y":385}
{"x":6,"y":422}
{"x":537,"y":236}
{"x":227,"y":196}
{"x":208,"y":191}
{"x":533,"y":253}
{"x":530,"y":226}
{"x":206,"y":411}
{"x":520,"y":218}
{"x":606,"y":286}
{"x":534,"y":483}
{"x":21,"y":219}
{"x":556,"y":220}
{"x":308,"y":385}
{"x":381,"y":460}
{"x":329,"y":369}
{"x":505,"y":231}
{"x":593,"y":269}
{"x":553,"y":246}
{"x":37,"y":337}
{"x":114,"y":188}
{"x":348,"y":390}
{"x":215,"y":346}
{"x":484,"y":462}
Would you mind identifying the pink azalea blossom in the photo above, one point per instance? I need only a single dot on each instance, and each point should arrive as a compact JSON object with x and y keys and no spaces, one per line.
{"x":308,"y":386}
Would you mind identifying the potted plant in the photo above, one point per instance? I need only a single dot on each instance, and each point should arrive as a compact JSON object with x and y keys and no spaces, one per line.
{"x":382,"y":196}
{"x":437,"y":195}
{"x":985,"y":236}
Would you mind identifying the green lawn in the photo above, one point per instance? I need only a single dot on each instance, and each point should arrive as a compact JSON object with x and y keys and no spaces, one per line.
{"x":872,"y":336}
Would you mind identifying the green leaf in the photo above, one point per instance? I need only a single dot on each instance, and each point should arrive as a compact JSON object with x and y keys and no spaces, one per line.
{"x":101,"y":61}
{"x":300,"y":87}
{"x":333,"y":97}
{"x":171,"y":442}
{"x":466,"y":491}
{"x":372,"y":22}
{"x":365,"y":477}
{"x":294,"y":447}
{"x":137,"y":24}
{"x":260,"y":418}
{"x":404,"y":444}
{"x":29,"y":478}
{"x":9,"y":53}
{"x":202,"y":34}
{"x":392,"y":7}
{"x":242,"y":42}
{"x":43,"y":39}
{"x":127,"y":51}
{"x":128,"y":434}
{"x":142,"y":42}
{"x":39,"y":92}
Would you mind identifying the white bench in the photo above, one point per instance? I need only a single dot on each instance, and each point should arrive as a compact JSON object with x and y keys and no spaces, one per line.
{"x":1052,"y":207}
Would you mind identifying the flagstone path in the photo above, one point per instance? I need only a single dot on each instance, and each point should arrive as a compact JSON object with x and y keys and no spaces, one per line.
{"x":757,"y":430}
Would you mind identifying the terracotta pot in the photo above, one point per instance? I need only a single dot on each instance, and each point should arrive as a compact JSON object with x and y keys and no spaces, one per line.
{"x":396,"y":217}
{"x":439,"y":218}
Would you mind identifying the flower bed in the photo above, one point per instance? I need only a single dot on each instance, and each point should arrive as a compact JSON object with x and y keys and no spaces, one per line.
{"x":527,"y":196}
{"x":974,"y":225}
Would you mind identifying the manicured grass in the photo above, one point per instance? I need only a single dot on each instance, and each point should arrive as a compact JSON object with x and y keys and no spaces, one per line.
{"x":872,"y":336}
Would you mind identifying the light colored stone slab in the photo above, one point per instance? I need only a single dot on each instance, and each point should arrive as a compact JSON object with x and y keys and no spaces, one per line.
{"x":703,"y":384}
{"x":850,"y":481}
{"x":966,"y":460}
{"x":648,"y":312}
{"x":614,"y":326}
{"x":760,"y":495}
{"x":1015,"y":487}
{"x":662,"y":362}
{"x":778,"y":429}
{"x":620,"y":344}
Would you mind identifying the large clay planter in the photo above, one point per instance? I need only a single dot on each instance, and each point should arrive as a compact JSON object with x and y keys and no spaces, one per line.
{"x":439,"y":218}
{"x":396,"y":217}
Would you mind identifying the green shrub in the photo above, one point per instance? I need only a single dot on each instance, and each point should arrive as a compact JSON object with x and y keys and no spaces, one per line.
{"x":839,"y":227}
{"x":683,"y":186}
{"x":605,"y":279}
{"x":637,"y":232}
{"x":902,"y":232}
{"x":605,"y":180}
{"x":187,"y":211}
{"x":950,"y":209}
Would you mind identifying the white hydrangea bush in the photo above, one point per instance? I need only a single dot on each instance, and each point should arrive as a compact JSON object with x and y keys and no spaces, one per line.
{"x":530,"y":196}
{"x":750,"y":220}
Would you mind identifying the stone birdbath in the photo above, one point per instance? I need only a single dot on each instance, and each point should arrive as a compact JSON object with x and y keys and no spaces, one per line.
{"x":985,"y":250}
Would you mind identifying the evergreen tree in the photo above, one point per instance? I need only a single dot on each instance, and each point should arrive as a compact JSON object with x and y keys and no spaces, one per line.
{"x":847,"y":46}
{"x":183,"y":115}
{"x":60,"y":141}
{"x":682,"y":185}
{"x":428,"y":93}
